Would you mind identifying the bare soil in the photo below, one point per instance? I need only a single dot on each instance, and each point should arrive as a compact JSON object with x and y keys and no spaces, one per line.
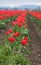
{"x":35,"y":45}
{"x":1,"y":35}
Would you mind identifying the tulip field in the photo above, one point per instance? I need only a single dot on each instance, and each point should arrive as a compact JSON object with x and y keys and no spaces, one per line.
{"x":16,"y":38}
{"x":36,"y":17}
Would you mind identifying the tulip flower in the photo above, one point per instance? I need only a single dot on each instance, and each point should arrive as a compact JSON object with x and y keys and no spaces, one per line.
{"x":19,"y":25}
{"x":16,"y":34}
{"x":24,"y":42}
{"x":7,"y":32}
{"x":11,"y":39}
{"x":13,"y":23}
{"x":10,"y":30}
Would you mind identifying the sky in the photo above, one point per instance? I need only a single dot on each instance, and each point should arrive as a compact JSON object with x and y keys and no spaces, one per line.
{"x":14,"y":3}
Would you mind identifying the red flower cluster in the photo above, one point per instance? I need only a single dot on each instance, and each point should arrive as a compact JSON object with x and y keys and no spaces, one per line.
{"x":8,"y":13}
{"x":35,"y":14}
{"x":20,"y":21}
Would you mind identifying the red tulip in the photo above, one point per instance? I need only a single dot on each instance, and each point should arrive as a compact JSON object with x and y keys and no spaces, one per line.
{"x":19,"y":25}
{"x":13,"y":23}
{"x":16,"y":34}
{"x":24,"y":42}
{"x":10,"y":30}
{"x":11,"y":39}
{"x":7,"y":32}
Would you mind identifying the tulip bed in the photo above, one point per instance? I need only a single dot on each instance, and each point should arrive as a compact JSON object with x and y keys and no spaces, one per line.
{"x":36,"y":17}
{"x":15,"y":45}
{"x":7,"y":16}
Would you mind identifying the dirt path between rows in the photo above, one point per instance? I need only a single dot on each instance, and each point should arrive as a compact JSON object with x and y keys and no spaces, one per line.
{"x":2,"y":33}
{"x":35,"y":45}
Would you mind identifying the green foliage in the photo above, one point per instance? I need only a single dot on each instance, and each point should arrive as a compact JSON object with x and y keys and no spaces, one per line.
{"x":12,"y":18}
{"x":2,"y":25}
{"x":5,"y":21}
{"x":5,"y":51}
{"x":8,"y":58}
{"x":38,"y":22}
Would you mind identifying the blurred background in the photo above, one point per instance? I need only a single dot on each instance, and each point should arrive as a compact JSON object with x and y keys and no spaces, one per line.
{"x":20,"y":4}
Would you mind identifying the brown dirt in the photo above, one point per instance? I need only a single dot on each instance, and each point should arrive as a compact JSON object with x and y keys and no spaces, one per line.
{"x":35,"y":45}
{"x":1,"y":35}
{"x":38,"y":30}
